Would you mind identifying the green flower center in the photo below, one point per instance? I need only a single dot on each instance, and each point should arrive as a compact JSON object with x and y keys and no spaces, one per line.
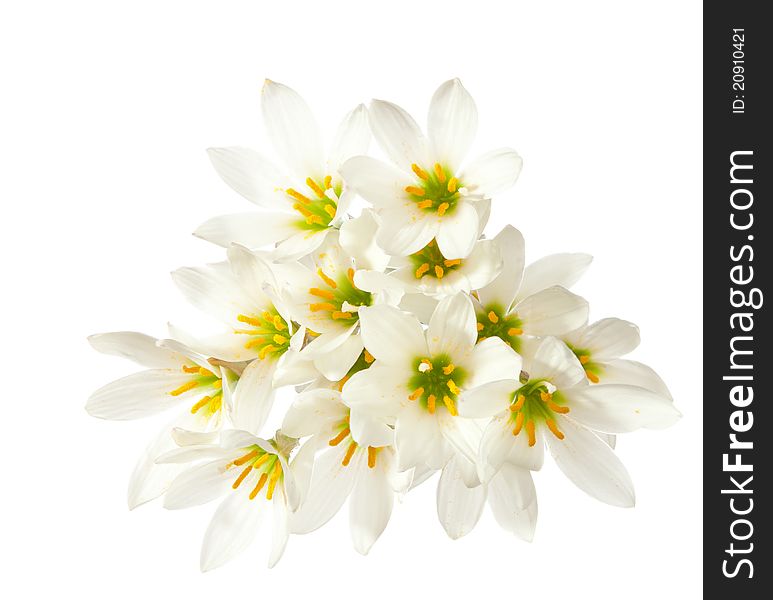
{"x":493,"y":321}
{"x":257,"y":463}
{"x":317,"y":209}
{"x":436,"y":382}
{"x":339,"y":298}
{"x":202,"y":380}
{"x":430,"y":261}
{"x":537,"y":402}
{"x":268,"y":333}
{"x":593,"y":370}
{"x":436,"y":190}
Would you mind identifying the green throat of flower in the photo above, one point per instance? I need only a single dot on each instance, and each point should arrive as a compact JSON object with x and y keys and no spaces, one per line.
{"x":317,"y":208}
{"x":593,"y":369}
{"x":493,"y":321}
{"x":430,"y":261}
{"x":436,"y":382}
{"x":268,"y":333}
{"x":339,"y":298}
{"x":266,"y":466}
{"x":436,"y":190}
{"x":534,"y":404}
{"x":202,"y":380}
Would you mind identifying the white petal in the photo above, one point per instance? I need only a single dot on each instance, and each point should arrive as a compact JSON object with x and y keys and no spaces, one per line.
{"x":458,"y":506}
{"x":148,"y":479}
{"x":391,"y":335}
{"x":184,"y":437}
{"x":487,"y":400}
{"x":334,"y":365}
{"x":294,"y":368}
{"x":280,"y":531}
{"x":254,"y":396}
{"x":331,"y":484}
{"x":631,"y":372}
{"x":370,"y":507}
{"x":617,"y":408}
{"x":419,"y":440}
{"x":136,"y":396}
{"x":379,"y":183}
{"x":609,"y":338}
{"x":500,"y":445}
{"x":370,"y":431}
{"x":483,"y":208}
{"x":293,"y":130}
{"x":552,"y":311}
{"x":254,"y":230}
{"x":377,"y":391}
{"x":420,"y":305}
{"x":458,"y":231}
{"x":398,"y":134}
{"x":136,"y":347}
{"x":352,"y":138}
{"x":452,"y":122}
{"x":557,"y":269}
{"x":249,"y":174}
{"x":483,"y":264}
{"x":358,"y":238}
{"x":328,"y":341}
{"x":299,"y":245}
{"x":503,"y":289}
{"x":492,"y":172}
{"x":232,"y":528}
{"x":404,"y":229}
{"x":213,"y":290}
{"x":513,"y":501}
{"x":200,"y":484}
{"x":314,"y":411}
{"x":492,"y":360}
{"x":452,"y":328}
{"x":591,"y":465}
{"x":554,"y":361}
{"x":190,"y":454}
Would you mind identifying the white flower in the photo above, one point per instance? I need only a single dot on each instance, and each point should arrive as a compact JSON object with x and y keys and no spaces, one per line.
{"x":417,"y":376}
{"x":534,"y":301}
{"x":358,"y":463}
{"x":554,"y":404}
{"x":302,"y":206}
{"x":175,"y":375}
{"x":254,"y":474}
{"x":428,"y":193}
{"x":246,"y":295}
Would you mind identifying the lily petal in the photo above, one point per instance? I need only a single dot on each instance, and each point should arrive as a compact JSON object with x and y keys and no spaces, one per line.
{"x":492,"y":172}
{"x":370,"y":507}
{"x":556,"y":269}
{"x":459,"y":507}
{"x":391,"y":335}
{"x":503,"y":289}
{"x":452,"y":122}
{"x":352,"y":138}
{"x":249,"y":174}
{"x":398,"y":134}
{"x":458,"y":231}
{"x":452,"y":328}
{"x":553,"y":311}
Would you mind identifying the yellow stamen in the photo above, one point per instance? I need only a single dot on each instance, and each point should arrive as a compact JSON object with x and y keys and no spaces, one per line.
{"x":340,"y":437}
{"x":203,"y":402}
{"x":257,"y":341}
{"x":327,"y":294}
{"x":298,"y":196}
{"x":492,"y":316}
{"x":349,"y":453}
{"x":562,"y":410}
{"x":367,"y":356}
{"x":450,"y":405}
{"x":417,"y":393}
{"x":448,"y":369}
{"x":261,"y":483}
{"x":241,"y":477}
{"x":350,"y":275}
{"x":279,"y":323}
{"x":342,"y":382}
{"x":554,"y":428}
{"x":453,"y":387}
{"x":431,"y":404}
{"x":439,"y":173}
{"x":452,"y":262}
{"x":519,"y":402}
{"x":518,"y":423}
{"x":584,"y":359}
{"x":326,"y":279}
{"x":442,"y":208}
{"x":416,"y":191}
{"x":530,"y":432}
{"x":480,"y":326}
{"x":513,"y":331}
{"x":184,"y":388}
{"x":421,"y":270}
{"x":330,"y":210}
{"x":187,"y":369}
{"x":340,"y":315}
{"x":452,"y":183}
{"x":592,"y":376}
{"x":280,"y":339}
{"x":247,"y":457}
{"x":420,"y":173}
{"x":275,"y":475}
{"x":262,"y":460}
{"x":372,"y":456}
{"x":205,"y":372}
{"x":314,"y":220}
{"x":317,"y":306}
{"x":328,"y":182}
{"x":303,"y":210}
{"x":265,"y":350}
{"x":424,"y":204}
{"x":315,"y":187}
{"x":439,"y":272}
{"x":545,"y":396}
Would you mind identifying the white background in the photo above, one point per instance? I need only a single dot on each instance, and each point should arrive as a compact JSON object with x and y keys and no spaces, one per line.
{"x":106,"y":110}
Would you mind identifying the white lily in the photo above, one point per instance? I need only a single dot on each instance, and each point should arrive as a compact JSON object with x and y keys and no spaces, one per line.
{"x":530,"y":302}
{"x":174,"y":375}
{"x":304,"y":205}
{"x":554,"y":404}
{"x":417,"y":376}
{"x":253,"y":473}
{"x":429,"y":193}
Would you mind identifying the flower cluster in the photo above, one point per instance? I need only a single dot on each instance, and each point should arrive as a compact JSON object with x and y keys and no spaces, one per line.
{"x":412,"y":342}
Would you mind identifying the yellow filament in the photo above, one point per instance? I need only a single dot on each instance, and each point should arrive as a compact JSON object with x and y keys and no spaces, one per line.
{"x":530,"y":433}
{"x":416,"y":191}
{"x":368,"y":357}
{"x":554,"y":428}
{"x":350,"y":275}
{"x":279,"y":339}
{"x":340,"y":437}
{"x":315,"y":187}
{"x":341,"y":315}
{"x":584,"y":359}
{"x":424,"y":204}
{"x":265,"y":350}
{"x":326,"y":279}
{"x":421,"y":270}
{"x":448,"y":369}
{"x":327,"y":294}
{"x":442,"y":208}
{"x":372,"y":456}
{"x":439,"y":272}
{"x":452,"y":183}
{"x":240,"y":461}
{"x":518,"y":423}
{"x":453,"y":387}
{"x":439,"y":173}
{"x":513,"y":331}
{"x":253,"y":342}
{"x":317,"y":306}
{"x":492,"y":316}
{"x":330,"y":210}
{"x":241,"y":477}
{"x":184,"y":388}
{"x":298,"y":196}
{"x":303,"y":210}
{"x":592,"y":376}
{"x":519,"y":402}
{"x":417,"y":393}
{"x":349,"y":453}
{"x":261,"y":483}
{"x":203,"y":402}
{"x":452,"y":262}
{"x":450,"y":405}
{"x":431,"y":404}
{"x":275,"y":474}
{"x":191,"y":369}
{"x":328,"y":182}
{"x":420,"y":173}
{"x":562,"y":410}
